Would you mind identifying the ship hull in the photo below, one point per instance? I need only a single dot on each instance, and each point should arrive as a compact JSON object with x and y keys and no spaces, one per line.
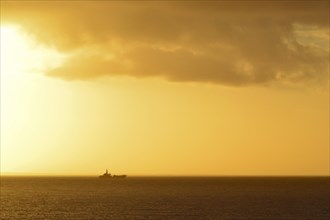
{"x":113,"y":177}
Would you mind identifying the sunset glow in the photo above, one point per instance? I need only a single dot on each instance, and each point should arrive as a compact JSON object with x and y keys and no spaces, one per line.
{"x":162,"y":89}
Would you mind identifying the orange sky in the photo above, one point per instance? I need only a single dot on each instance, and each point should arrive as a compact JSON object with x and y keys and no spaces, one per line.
{"x":165,"y":88}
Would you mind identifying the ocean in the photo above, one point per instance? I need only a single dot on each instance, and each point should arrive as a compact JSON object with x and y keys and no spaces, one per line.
{"x":165,"y":198}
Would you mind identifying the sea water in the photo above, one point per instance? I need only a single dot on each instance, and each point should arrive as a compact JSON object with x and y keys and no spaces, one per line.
{"x":165,"y":198}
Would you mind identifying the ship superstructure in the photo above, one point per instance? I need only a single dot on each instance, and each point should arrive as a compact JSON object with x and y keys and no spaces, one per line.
{"x":108,"y":175}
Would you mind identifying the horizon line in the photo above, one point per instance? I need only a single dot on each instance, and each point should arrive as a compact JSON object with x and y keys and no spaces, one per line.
{"x":18,"y":174}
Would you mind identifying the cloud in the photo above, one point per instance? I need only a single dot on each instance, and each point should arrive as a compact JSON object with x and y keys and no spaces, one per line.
{"x":232,"y":43}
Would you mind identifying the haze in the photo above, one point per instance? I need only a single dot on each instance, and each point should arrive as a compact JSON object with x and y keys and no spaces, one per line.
{"x":165,"y":88}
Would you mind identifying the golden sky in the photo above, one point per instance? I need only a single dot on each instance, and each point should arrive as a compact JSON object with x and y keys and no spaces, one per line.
{"x":165,"y":88}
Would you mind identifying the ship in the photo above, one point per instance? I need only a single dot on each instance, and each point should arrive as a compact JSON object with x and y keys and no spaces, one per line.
{"x":108,"y":175}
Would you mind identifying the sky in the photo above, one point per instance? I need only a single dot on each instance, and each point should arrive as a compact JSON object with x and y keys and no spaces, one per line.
{"x":165,"y":88}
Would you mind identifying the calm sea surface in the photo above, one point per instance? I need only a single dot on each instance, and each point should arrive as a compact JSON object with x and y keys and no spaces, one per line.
{"x":164,"y":198}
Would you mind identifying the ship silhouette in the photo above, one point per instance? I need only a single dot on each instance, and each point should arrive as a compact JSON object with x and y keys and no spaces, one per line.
{"x":108,"y":175}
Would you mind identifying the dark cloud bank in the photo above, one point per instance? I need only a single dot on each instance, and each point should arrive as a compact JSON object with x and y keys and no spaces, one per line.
{"x":231,"y":43}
